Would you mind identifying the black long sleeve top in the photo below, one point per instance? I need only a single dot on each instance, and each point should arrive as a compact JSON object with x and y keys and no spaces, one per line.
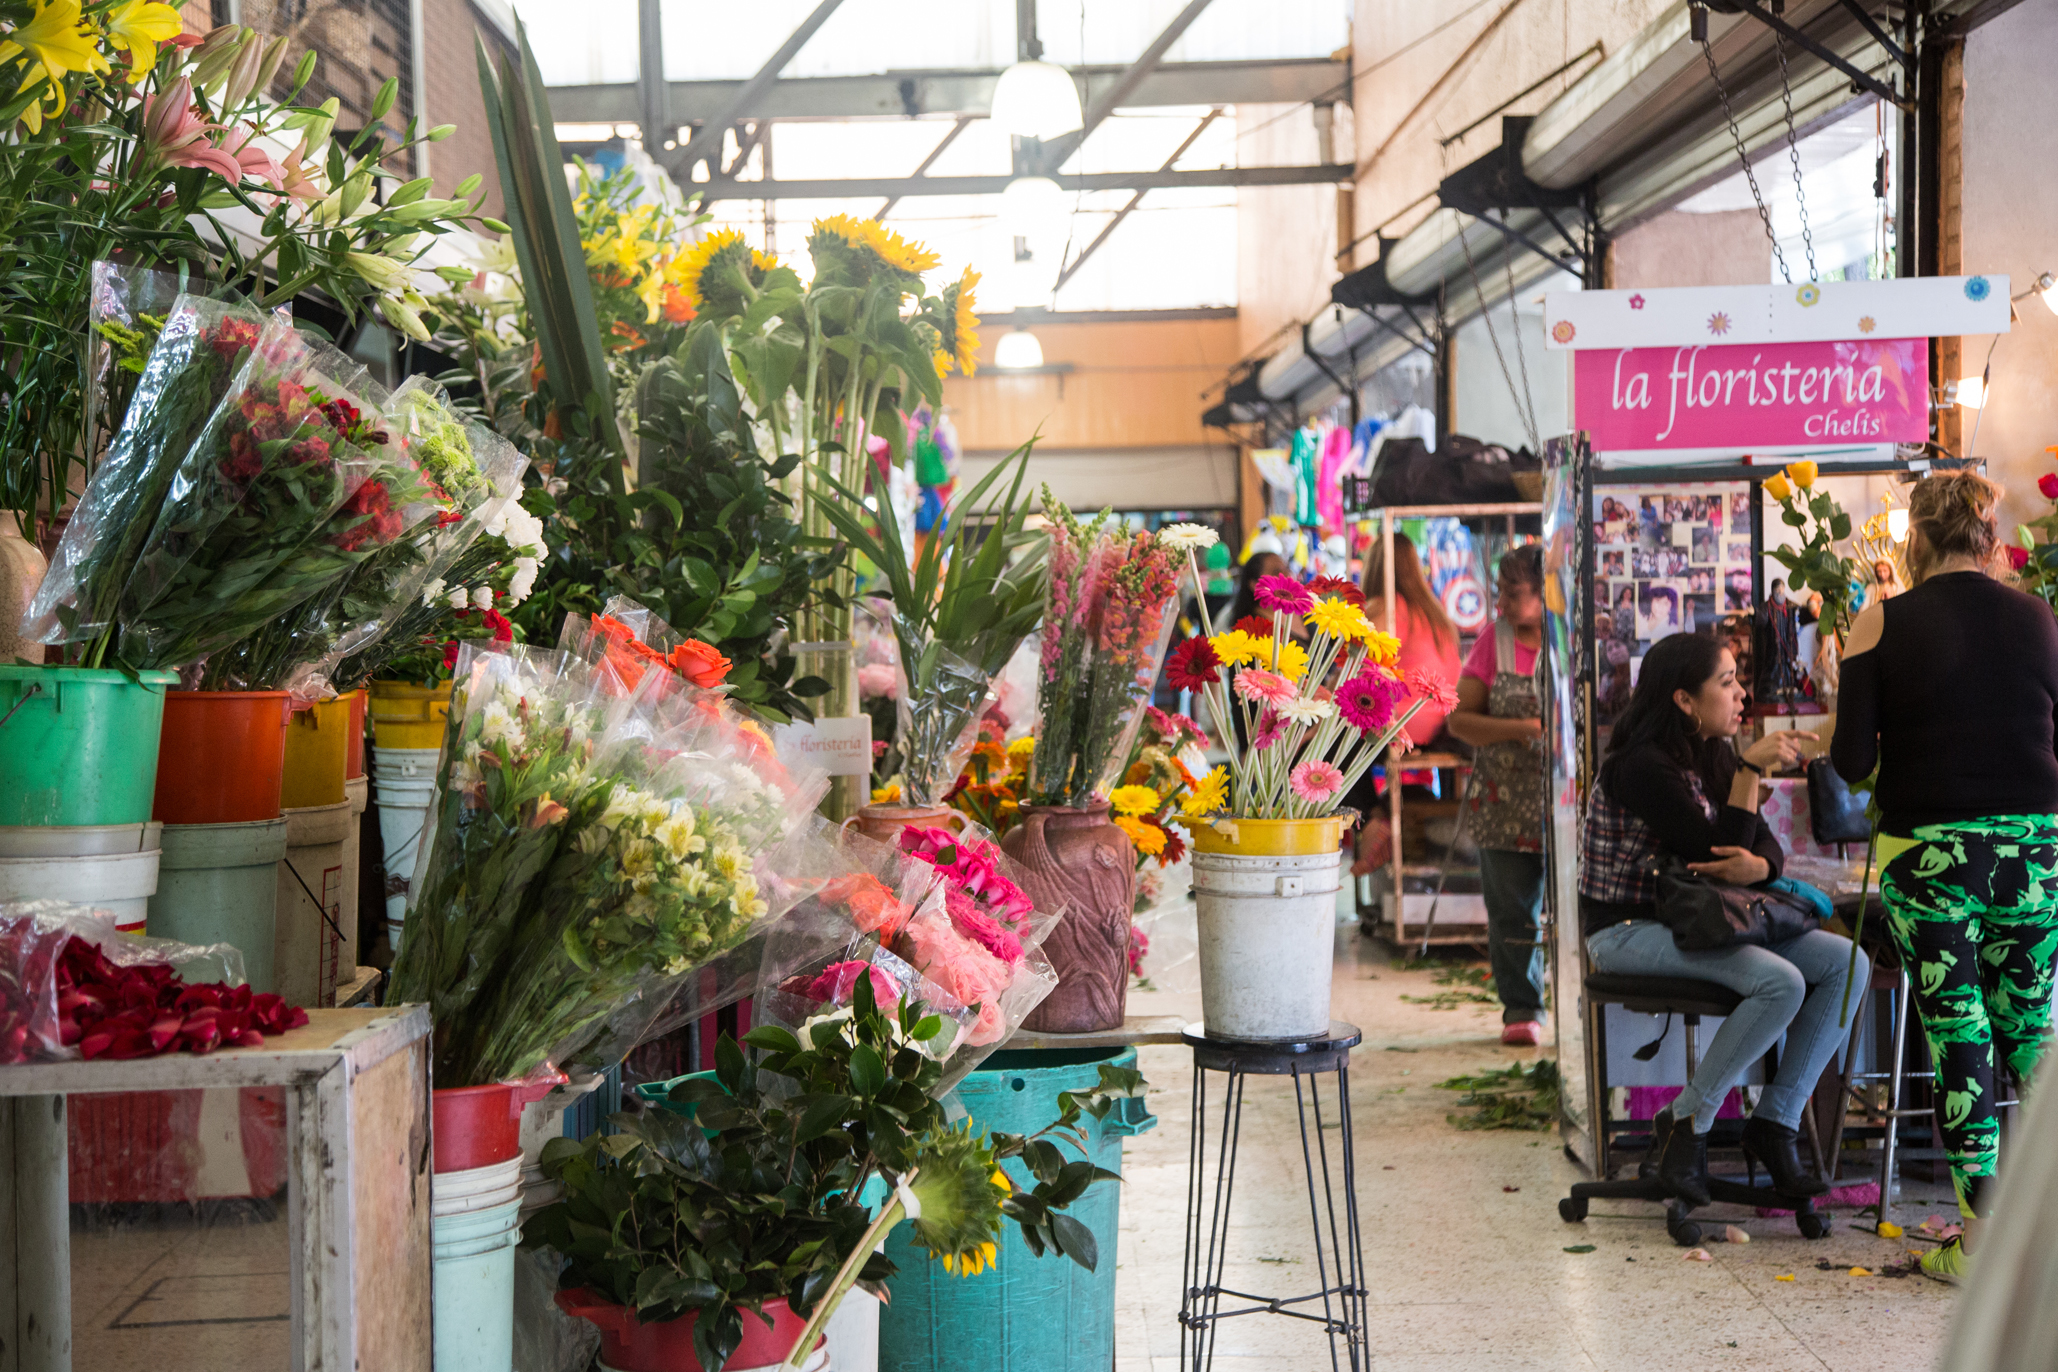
{"x":1648,"y":803}
{"x":1957,"y":705}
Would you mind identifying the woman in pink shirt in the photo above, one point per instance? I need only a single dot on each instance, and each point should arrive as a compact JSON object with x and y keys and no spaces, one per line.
{"x":1429,"y":643}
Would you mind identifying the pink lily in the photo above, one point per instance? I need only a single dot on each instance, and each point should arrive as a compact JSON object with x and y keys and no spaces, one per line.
{"x":255,"y":162}
{"x":174,"y":131}
{"x":297,"y":179}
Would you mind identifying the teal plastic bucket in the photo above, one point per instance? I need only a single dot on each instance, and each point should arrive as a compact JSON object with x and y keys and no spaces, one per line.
{"x":78,"y":745}
{"x":1026,"y":1314}
{"x":472,"y":1261}
{"x":219,"y":883}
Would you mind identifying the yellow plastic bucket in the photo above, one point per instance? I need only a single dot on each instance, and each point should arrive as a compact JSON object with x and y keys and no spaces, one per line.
{"x":408,"y":716}
{"x":1267,"y":837}
{"x":317,"y":754}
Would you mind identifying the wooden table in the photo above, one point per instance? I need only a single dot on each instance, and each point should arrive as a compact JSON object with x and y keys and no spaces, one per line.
{"x":356,"y":1083}
{"x":1135,"y":1031}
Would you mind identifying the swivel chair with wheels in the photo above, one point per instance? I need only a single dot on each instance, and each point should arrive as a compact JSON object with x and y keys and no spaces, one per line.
{"x":1689,"y":1000}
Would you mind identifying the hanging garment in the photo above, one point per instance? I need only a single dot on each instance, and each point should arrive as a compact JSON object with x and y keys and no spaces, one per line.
{"x":1305,"y":441}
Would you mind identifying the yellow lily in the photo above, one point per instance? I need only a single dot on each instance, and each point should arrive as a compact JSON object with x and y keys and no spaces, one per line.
{"x":56,"y":42}
{"x":137,"y":28}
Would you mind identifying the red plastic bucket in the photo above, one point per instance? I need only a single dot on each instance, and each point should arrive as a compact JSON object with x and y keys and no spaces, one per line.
{"x":221,"y":758}
{"x":477,"y":1126}
{"x":629,"y":1345}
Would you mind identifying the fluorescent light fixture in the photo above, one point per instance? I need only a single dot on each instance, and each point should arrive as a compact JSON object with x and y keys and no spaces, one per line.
{"x":1036,"y":100}
{"x":1897,"y":525}
{"x":1035,"y":208}
{"x":1017,"y":351}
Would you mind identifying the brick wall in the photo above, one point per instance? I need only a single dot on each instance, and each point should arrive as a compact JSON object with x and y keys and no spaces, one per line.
{"x":450,"y":77}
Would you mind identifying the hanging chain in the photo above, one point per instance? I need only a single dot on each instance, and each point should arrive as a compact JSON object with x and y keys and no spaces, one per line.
{"x":1493,"y":336}
{"x":1793,"y":150}
{"x":1521,"y":357}
{"x":1737,"y":137}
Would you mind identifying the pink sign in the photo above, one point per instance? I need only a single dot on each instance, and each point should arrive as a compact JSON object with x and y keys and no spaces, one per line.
{"x":1750,"y":395}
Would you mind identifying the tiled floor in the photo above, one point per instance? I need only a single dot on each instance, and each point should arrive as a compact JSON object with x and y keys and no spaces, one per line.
{"x":1464,"y":1247}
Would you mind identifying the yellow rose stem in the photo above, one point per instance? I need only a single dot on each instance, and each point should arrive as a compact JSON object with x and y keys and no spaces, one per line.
{"x":892,"y":1213}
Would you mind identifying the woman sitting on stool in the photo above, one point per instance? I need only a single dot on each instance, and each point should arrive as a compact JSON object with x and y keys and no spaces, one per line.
{"x":1671,"y":783}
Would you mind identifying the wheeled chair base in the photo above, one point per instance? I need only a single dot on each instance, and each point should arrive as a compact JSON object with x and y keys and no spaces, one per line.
{"x":1684,"y":1231}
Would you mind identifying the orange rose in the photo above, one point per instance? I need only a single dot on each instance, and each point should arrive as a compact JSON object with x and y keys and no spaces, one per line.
{"x":607,"y":626}
{"x":700,"y":663}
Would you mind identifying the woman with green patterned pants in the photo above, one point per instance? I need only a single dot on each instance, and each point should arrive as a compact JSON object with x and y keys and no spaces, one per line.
{"x":1968,"y":800}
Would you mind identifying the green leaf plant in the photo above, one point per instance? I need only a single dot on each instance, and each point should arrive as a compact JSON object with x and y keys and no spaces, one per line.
{"x":750,"y":1188}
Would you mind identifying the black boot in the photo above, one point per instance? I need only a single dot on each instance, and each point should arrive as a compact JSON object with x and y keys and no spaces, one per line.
{"x":1682,"y":1158}
{"x":1773,"y":1145}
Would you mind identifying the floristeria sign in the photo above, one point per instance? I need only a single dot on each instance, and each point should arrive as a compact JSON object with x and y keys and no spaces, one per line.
{"x":1756,"y":396}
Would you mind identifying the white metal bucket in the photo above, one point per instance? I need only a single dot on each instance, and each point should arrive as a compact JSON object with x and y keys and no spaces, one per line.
{"x":1267,"y":935}
{"x":119,"y":883}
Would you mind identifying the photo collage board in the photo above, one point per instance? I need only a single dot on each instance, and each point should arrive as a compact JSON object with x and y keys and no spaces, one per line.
{"x":1667,"y":559}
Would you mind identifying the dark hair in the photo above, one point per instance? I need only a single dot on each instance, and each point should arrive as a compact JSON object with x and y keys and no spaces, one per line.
{"x":1247,"y":585}
{"x":1677,"y":662}
{"x":1522,"y":566}
{"x":1409,"y":584}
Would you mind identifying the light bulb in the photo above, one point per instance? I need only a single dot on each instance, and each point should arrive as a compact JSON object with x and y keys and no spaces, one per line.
{"x":1017,"y":351}
{"x":1897,"y":525}
{"x":2047,"y":291}
{"x":1972,"y":392}
{"x":1036,"y":100}
{"x":1035,"y":208}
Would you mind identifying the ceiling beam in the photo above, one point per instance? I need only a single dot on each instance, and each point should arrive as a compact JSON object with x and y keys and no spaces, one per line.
{"x":652,"y":113}
{"x":1137,"y":199}
{"x":743,"y":100}
{"x":930,"y":91}
{"x":862,"y":188}
{"x":1053,"y":154}
{"x":923,"y":170}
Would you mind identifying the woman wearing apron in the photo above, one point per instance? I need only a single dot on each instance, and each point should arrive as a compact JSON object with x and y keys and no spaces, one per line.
{"x":1500,"y":712}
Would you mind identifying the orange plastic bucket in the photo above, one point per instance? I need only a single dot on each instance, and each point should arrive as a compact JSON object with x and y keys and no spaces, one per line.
{"x":353,"y":756}
{"x":221,"y":758}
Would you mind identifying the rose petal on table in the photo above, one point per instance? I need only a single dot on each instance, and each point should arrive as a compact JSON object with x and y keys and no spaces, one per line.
{"x":1735,"y":1234}
{"x":1697,"y":1255}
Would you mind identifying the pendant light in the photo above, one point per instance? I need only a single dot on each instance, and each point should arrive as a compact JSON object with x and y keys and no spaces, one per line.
{"x":1017,"y":351}
{"x":1036,"y":99}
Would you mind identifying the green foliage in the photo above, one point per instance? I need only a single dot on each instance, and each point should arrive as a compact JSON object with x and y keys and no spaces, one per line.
{"x":1817,"y":566}
{"x":1511,"y":1097}
{"x":755,"y":1196}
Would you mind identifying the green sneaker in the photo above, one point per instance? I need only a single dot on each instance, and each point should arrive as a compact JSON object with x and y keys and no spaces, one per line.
{"x":1947,"y":1262}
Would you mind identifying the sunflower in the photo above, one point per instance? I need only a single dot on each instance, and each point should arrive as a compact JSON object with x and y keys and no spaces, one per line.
{"x":960,"y":1206}
{"x":708,"y":272}
{"x":960,"y":326}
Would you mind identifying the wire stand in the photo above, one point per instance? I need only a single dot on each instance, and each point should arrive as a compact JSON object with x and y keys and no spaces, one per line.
{"x":1343,"y":1313}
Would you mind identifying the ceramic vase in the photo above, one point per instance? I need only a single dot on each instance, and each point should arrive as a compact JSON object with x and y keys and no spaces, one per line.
{"x":1078,"y":861}
{"x":884,"y":822}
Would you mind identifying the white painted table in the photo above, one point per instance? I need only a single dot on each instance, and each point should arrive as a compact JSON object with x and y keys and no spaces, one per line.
{"x":356,"y":1083}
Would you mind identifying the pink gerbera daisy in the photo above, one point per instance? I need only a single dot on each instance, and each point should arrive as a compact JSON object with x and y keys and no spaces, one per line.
{"x":1367,"y":700}
{"x":1283,"y":595}
{"x":1270,"y":729}
{"x":1255,"y":683}
{"x":1315,"y":781}
{"x":1433,"y":689}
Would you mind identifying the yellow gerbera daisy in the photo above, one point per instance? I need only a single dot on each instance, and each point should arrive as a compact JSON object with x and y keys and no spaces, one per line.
{"x":886,"y":795}
{"x":1210,"y":794}
{"x":1148,"y":838}
{"x":1023,"y":746}
{"x":1380,"y":646}
{"x":1133,"y":800}
{"x":1237,"y":648}
{"x":1293,"y":661}
{"x":1335,"y":617}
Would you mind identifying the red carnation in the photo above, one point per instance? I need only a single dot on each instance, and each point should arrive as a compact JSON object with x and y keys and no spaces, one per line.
{"x":503,"y":629}
{"x":450,"y":655}
{"x":1193,"y":665}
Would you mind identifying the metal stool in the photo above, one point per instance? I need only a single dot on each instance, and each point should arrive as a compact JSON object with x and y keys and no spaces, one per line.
{"x":1689,"y":1000}
{"x":1343,"y":1314}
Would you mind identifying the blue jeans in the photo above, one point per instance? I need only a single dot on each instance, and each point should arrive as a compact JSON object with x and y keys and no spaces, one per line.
{"x":1513,"y":887}
{"x":1795,"y":988}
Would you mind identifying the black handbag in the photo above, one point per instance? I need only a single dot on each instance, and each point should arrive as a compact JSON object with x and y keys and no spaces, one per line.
{"x":1704,"y":914}
{"x":1834,"y":814}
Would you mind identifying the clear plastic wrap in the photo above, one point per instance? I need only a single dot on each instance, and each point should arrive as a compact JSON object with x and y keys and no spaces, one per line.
{"x":287,"y":488}
{"x":197,"y":356}
{"x":72,"y":986}
{"x":823,"y":995}
{"x":937,"y":719}
{"x":444,"y":513}
{"x":127,"y":307}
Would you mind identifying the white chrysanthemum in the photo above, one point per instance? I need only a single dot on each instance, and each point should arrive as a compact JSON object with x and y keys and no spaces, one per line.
{"x":1302,"y":710}
{"x":433,"y":592}
{"x":1188,"y":537}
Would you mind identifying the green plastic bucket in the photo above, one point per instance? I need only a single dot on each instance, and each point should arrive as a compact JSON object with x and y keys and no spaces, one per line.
{"x":1025,"y":1314}
{"x":219,"y":883}
{"x":78,"y":745}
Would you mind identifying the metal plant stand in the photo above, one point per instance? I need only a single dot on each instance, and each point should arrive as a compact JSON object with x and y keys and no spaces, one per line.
{"x":1339,"y":1260}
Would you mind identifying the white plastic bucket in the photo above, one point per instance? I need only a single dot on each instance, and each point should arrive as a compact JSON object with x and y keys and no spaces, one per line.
{"x":473,"y":1259}
{"x":357,"y":791}
{"x":404,"y":788}
{"x":79,"y":840}
{"x":1267,"y":934}
{"x":476,"y":1189}
{"x":119,"y":883}
{"x":309,"y":942}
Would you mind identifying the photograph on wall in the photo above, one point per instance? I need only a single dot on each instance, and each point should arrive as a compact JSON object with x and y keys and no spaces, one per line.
{"x":1660,"y":609}
{"x":1737,"y":553}
{"x":1736,"y":589}
{"x":1614,"y":562}
{"x":1698,"y":616}
{"x":1706,"y":546}
{"x":1739,"y":512}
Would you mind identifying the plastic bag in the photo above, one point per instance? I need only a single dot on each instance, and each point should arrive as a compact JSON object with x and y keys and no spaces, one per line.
{"x":127,"y":307}
{"x":286,"y":489}
{"x":197,"y":356}
{"x":937,"y":721}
